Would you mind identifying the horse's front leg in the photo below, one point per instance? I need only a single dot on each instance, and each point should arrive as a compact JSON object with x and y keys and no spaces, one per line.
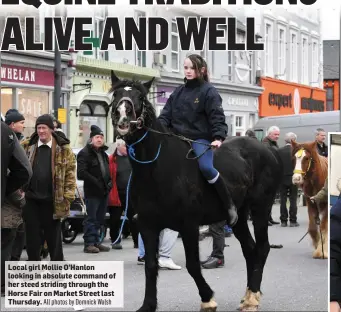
{"x":312,"y":227}
{"x":190,"y":238}
{"x":323,"y":231}
{"x":150,"y":237}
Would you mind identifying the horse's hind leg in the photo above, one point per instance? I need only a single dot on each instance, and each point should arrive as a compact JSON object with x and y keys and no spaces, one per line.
{"x":150,"y":239}
{"x":242,"y":233}
{"x":190,"y":239}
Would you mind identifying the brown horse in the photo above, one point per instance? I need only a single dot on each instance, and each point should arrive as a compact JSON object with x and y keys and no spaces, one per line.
{"x":310,"y":173}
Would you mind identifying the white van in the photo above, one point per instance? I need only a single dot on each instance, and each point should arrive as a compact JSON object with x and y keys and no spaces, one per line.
{"x":303,"y":125}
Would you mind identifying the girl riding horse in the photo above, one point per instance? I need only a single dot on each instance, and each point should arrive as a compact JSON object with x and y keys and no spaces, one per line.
{"x":195,"y":111}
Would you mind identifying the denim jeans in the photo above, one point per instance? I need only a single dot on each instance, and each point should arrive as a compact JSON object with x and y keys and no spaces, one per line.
{"x":96,"y":209}
{"x":206,"y":160}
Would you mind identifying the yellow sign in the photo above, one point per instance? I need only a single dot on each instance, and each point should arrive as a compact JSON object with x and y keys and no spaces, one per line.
{"x":62,"y":115}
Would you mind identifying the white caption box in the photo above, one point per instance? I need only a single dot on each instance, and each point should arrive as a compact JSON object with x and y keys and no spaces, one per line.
{"x":44,"y":284}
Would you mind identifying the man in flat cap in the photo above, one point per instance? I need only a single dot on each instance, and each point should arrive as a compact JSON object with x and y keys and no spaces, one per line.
{"x":51,"y":189}
{"x":93,"y":169}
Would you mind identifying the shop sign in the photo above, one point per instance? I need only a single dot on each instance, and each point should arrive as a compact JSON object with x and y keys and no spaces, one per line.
{"x":32,"y":76}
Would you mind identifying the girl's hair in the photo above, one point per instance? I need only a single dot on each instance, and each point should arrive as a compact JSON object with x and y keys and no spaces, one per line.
{"x":198,"y":63}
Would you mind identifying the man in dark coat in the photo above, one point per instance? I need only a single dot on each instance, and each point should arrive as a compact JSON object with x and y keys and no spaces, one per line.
{"x":287,"y":187}
{"x":335,"y":257}
{"x":271,"y":142}
{"x":320,"y":137}
{"x":93,"y":169}
{"x":15,"y":173}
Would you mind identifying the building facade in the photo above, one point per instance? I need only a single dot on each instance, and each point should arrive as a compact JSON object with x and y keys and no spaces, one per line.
{"x":27,"y":84}
{"x":331,"y":74}
{"x":91,"y":105}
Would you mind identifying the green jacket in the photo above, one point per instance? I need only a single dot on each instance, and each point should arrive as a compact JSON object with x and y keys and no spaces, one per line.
{"x":322,"y":195}
{"x":63,"y":164}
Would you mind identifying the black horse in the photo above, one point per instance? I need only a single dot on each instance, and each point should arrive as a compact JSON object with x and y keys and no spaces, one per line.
{"x":168,"y":191}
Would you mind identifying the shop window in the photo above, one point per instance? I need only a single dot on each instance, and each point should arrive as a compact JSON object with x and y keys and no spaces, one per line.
{"x":259,"y":134}
{"x":6,"y":99}
{"x":91,"y":113}
{"x":330,"y":98}
{"x":32,"y":104}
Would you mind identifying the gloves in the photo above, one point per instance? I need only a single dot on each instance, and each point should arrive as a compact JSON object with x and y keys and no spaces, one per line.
{"x":17,"y":199}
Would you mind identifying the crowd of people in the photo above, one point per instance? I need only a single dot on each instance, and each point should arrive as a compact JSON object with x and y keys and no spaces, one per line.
{"x":39,"y":176}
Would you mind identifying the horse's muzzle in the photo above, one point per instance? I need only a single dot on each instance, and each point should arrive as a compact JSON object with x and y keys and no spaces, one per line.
{"x":297,"y":179}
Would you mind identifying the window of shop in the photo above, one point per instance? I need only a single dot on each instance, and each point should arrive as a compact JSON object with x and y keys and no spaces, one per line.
{"x":6,"y":99}
{"x":239,"y":125}
{"x":175,"y":46}
{"x":281,"y":53}
{"x":305,"y":60}
{"x":91,"y":113}
{"x":268,"y":48}
{"x":330,"y":98}
{"x":293,"y":56}
{"x":315,"y":62}
{"x":32,"y":104}
{"x":140,"y":56}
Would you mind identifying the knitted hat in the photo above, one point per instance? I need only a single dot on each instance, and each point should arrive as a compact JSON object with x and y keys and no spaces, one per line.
{"x":45,"y":120}
{"x":95,"y":131}
{"x":13,"y":115}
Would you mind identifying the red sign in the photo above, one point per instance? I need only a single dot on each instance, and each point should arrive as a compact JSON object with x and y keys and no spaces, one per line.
{"x":27,"y":75}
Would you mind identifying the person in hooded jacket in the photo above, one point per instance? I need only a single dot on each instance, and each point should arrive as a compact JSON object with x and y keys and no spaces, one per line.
{"x":15,"y":173}
{"x":16,"y":122}
{"x":195,"y":111}
{"x":51,"y":189}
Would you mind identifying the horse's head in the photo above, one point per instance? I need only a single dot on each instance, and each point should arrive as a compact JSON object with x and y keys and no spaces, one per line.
{"x":302,"y":156}
{"x":130,"y":106}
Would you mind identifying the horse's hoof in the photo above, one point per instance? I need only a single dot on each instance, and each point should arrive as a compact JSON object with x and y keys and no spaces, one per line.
{"x":253,"y":308}
{"x":210,"y":306}
{"x":146,"y":309}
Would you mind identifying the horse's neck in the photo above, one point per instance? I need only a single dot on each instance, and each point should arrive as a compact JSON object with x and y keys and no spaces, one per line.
{"x":320,"y":170}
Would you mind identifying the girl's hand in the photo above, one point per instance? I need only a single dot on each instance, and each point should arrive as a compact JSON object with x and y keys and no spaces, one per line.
{"x":216,"y":143}
{"x":334,"y":307}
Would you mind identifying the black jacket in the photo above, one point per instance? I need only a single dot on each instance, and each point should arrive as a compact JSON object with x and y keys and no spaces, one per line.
{"x":195,"y":111}
{"x":16,"y":170}
{"x":335,"y":252}
{"x":288,"y":168}
{"x":269,"y":143}
{"x":89,"y":171}
{"x":322,"y":150}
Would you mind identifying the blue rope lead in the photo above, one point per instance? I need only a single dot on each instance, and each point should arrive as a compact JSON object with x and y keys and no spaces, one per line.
{"x":131,"y":153}
{"x":125,"y":212}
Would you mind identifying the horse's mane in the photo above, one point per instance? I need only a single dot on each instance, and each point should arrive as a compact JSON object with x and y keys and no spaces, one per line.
{"x":137,"y":84}
{"x":323,"y":161}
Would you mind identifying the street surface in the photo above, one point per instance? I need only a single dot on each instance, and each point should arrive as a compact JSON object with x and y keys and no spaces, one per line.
{"x":292,"y":280}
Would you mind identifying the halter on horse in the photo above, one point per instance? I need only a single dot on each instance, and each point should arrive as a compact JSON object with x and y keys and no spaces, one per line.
{"x":168,"y":191}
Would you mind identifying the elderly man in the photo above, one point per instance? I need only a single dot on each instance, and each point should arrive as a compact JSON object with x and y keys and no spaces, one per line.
{"x":51,"y":189}
{"x":320,"y":137}
{"x":271,"y":141}
{"x":287,"y":187}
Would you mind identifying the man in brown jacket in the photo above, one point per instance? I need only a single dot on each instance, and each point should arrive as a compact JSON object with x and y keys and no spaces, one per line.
{"x":51,"y":189}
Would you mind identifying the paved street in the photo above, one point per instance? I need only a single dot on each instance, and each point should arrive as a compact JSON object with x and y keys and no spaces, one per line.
{"x":292,"y":281}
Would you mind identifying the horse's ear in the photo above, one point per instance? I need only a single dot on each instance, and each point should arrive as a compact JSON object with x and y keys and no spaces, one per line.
{"x":149,"y":83}
{"x":114,"y":78}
